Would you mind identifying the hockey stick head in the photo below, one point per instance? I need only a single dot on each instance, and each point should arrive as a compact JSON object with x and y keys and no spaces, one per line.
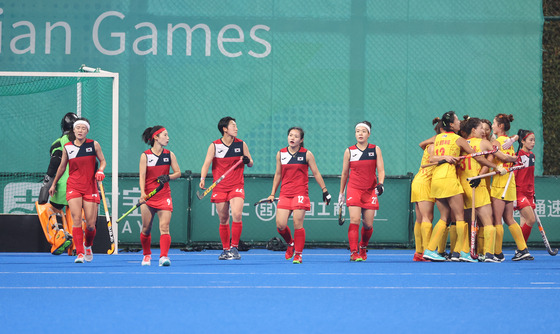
{"x":112,"y":250}
{"x":340,"y":218}
{"x":199,"y":195}
{"x":265,"y":200}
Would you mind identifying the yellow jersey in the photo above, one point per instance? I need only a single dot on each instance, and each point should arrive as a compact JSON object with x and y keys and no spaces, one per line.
{"x":444,"y":178}
{"x":499,"y":181}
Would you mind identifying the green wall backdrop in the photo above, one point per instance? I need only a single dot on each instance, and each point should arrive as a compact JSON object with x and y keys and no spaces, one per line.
{"x":322,"y":65}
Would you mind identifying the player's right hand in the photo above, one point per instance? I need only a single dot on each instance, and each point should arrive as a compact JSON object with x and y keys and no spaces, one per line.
{"x":52,"y":190}
{"x":340,"y":199}
{"x":501,"y":170}
{"x":201,"y":184}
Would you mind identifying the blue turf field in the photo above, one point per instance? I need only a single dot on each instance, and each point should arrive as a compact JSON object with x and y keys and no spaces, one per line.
{"x":42,"y":293}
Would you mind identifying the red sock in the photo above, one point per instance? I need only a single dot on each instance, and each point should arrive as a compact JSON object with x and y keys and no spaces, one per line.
{"x":353,"y":237}
{"x":526,"y":229}
{"x":299,"y":240}
{"x":146,"y":241}
{"x":236,"y":228}
{"x":164,"y":244}
{"x":366,"y":235}
{"x":78,"y":237}
{"x":286,"y":234}
{"x":89,"y":237}
{"x":224,"y":235}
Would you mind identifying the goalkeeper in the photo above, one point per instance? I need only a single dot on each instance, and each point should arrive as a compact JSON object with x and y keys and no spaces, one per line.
{"x":57,"y":234}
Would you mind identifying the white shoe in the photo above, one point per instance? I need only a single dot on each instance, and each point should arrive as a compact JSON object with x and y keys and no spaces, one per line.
{"x":164,"y":261}
{"x":89,"y":254}
{"x":79,"y":258}
{"x":147,"y":260}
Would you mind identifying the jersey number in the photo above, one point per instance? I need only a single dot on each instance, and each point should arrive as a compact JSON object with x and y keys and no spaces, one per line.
{"x":300,"y":199}
{"x":466,"y":164}
{"x":440,"y":151}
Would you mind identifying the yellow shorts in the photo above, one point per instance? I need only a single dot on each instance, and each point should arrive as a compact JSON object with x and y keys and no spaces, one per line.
{"x":420,"y":191}
{"x":511,"y":194}
{"x":445,"y":188}
{"x":481,"y":196}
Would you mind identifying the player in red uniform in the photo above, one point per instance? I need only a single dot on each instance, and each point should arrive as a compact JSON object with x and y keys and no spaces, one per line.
{"x":525,"y":182}
{"x":154,"y":169}
{"x":361,"y":161}
{"x":292,"y":164}
{"x":224,"y":153}
{"x":80,"y":154}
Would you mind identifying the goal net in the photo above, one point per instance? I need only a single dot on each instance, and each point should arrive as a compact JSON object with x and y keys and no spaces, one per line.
{"x":32,"y":105}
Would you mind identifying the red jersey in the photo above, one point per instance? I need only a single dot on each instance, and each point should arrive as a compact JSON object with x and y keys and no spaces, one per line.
{"x":157,"y":166}
{"x":525,"y":178}
{"x":82,"y":165}
{"x":363,"y":166}
{"x":224,"y":158}
{"x":295,"y":178}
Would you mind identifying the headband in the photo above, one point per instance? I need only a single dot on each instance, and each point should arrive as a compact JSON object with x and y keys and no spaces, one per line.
{"x":365,"y":126}
{"x":158,"y":132}
{"x":81,"y":122}
{"x":527,"y":135}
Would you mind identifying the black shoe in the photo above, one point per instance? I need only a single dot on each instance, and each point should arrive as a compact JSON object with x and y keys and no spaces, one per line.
{"x":500,"y":257}
{"x":446,"y":255}
{"x":226,"y":255}
{"x":490,"y":258}
{"x":455,"y":257}
{"x":522,"y":255}
{"x":234,"y":253}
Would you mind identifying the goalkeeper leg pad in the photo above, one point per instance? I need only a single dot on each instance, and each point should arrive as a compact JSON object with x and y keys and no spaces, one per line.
{"x":55,"y":232}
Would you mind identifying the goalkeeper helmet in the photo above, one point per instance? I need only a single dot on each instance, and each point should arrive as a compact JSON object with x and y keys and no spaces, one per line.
{"x":67,"y":122}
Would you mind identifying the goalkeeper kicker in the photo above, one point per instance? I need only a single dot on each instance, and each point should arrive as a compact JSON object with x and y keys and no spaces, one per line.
{"x":58,"y":234}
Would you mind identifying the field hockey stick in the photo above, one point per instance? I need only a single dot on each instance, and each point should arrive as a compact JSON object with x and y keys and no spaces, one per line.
{"x":508,"y":170}
{"x":544,"y":238}
{"x":507,"y":185}
{"x":474,"y":229}
{"x":340,"y":218}
{"x":150,"y":195}
{"x":472,"y":155}
{"x":213,"y":185}
{"x":266,"y":200}
{"x":108,"y":218}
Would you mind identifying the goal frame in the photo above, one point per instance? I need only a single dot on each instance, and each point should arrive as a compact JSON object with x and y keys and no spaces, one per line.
{"x":89,"y":72}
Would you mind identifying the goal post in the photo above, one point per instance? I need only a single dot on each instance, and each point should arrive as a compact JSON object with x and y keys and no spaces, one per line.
{"x":31,"y":107}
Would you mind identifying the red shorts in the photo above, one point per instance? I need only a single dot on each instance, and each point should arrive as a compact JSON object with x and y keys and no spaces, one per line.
{"x":164,"y":203}
{"x":523,"y":201}
{"x":365,"y":199}
{"x":294,"y":203}
{"x":226,"y":196}
{"x":90,"y":195}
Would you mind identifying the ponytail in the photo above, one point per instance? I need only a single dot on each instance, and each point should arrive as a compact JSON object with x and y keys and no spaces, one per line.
{"x":148,"y":134}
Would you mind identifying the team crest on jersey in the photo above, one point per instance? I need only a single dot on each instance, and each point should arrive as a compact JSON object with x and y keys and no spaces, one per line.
{"x":88,"y":149}
{"x":299,"y":158}
{"x":371,"y":154}
{"x":165,"y":159}
{"x":237,"y":150}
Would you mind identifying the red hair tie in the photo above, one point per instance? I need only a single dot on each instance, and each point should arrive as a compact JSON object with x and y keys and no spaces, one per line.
{"x":158,"y":132}
{"x":527,"y":135}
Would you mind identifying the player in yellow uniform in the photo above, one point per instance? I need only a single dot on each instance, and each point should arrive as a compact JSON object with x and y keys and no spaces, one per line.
{"x":446,"y":188}
{"x":420,"y":196}
{"x":503,"y":208}
{"x":469,"y":167}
